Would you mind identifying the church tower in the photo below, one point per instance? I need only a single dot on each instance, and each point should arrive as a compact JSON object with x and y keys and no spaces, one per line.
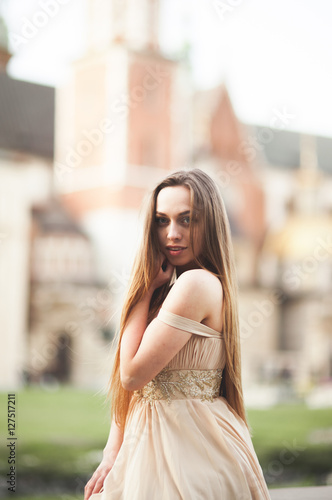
{"x":118,"y":115}
{"x":120,"y":119}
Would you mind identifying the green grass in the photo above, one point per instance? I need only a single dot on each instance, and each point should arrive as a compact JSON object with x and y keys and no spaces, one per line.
{"x":286,"y":423}
{"x":61,"y":435}
{"x":66,"y":413}
{"x":52,"y":497}
{"x":282,"y":437}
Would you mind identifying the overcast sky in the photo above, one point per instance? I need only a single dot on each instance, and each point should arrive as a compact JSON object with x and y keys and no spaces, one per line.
{"x":271,"y":53}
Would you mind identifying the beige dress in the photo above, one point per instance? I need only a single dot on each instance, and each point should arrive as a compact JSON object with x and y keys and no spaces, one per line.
{"x":182,"y":440}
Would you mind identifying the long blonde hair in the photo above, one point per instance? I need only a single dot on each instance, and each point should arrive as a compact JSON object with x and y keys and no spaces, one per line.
{"x":216,"y":256}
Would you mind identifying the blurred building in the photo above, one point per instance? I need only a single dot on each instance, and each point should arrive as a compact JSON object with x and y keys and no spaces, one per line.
{"x":277,"y":186}
{"x":222,"y":148}
{"x":122,"y":126}
{"x":26,"y":148}
{"x":69,"y":308}
{"x":126,"y":118}
{"x":52,"y":307}
{"x":297,"y":253}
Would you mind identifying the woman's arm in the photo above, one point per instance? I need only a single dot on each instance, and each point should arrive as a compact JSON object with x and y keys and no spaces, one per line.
{"x":137,"y":323}
{"x":110,"y":453}
{"x":114,"y":441}
{"x":133,"y":333}
{"x":145,"y":351}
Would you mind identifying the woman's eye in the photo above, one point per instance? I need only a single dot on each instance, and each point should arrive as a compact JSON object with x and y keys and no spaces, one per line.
{"x":186,"y":219}
{"x":161,"y":220}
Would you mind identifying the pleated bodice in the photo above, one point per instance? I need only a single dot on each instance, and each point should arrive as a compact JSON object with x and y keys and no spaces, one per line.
{"x":195,"y":372}
{"x":204,"y":350}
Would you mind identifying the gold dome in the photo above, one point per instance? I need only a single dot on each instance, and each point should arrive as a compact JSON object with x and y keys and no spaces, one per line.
{"x":300,"y":237}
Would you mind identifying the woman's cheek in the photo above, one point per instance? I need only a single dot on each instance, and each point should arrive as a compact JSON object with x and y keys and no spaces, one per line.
{"x":161,"y":234}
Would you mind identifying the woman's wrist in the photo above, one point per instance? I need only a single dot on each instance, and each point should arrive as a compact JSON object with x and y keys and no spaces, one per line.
{"x":110,"y":453}
{"x":147,"y":295}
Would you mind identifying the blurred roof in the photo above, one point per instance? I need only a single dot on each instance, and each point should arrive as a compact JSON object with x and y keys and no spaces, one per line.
{"x":26,"y":116}
{"x":53,"y":218}
{"x":282,"y":148}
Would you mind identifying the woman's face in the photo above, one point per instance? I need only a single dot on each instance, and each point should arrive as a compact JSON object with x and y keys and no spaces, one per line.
{"x":173,"y":221}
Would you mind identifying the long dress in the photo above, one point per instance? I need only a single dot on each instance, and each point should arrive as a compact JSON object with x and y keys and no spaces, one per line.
{"x":182,"y":440}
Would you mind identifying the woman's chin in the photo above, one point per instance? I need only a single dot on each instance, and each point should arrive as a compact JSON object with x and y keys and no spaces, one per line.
{"x":178,"y":262}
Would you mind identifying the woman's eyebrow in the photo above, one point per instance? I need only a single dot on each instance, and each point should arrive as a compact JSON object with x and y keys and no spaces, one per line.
{"x":181,"y":213}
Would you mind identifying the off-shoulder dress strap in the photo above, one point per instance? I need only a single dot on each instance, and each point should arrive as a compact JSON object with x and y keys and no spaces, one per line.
{"x":186,"y":324}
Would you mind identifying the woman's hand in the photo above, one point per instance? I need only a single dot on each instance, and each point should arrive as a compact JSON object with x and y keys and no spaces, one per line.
{"x":95,"y":484}
{"x":163,"y":274}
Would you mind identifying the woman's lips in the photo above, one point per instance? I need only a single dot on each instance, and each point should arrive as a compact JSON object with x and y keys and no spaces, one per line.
{"x":175,"y":250}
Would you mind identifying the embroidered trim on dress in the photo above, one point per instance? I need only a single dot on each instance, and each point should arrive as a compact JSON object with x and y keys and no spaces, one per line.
{"x":182,"y":384}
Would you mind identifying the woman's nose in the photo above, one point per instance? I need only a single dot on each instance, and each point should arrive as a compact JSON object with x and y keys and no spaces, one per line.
{"x":174,"y":232}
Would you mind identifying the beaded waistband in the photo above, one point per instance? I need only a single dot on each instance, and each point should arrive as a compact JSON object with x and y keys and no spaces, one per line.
{"x":182,"y":384}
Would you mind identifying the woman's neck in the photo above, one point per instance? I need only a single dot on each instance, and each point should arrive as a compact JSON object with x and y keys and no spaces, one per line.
{"x":186,"y":267}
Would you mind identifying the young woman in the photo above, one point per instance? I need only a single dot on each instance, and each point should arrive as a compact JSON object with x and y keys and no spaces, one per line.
{"x":179,"y":428}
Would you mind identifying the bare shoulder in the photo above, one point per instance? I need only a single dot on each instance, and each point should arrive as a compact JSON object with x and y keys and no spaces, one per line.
{"x":200,"y":276}
{"x":195,"y":294}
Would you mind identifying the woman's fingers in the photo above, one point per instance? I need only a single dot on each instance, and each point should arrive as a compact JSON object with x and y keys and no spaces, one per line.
{"x":99,"y":484}
{"x":89,"y":489}
{"x":95,"y":484}
{"x":166,"y":267}
{"x":163,"y":272}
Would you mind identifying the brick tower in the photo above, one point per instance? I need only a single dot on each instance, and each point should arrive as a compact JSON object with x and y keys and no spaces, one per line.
{"x":119,"y":123}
